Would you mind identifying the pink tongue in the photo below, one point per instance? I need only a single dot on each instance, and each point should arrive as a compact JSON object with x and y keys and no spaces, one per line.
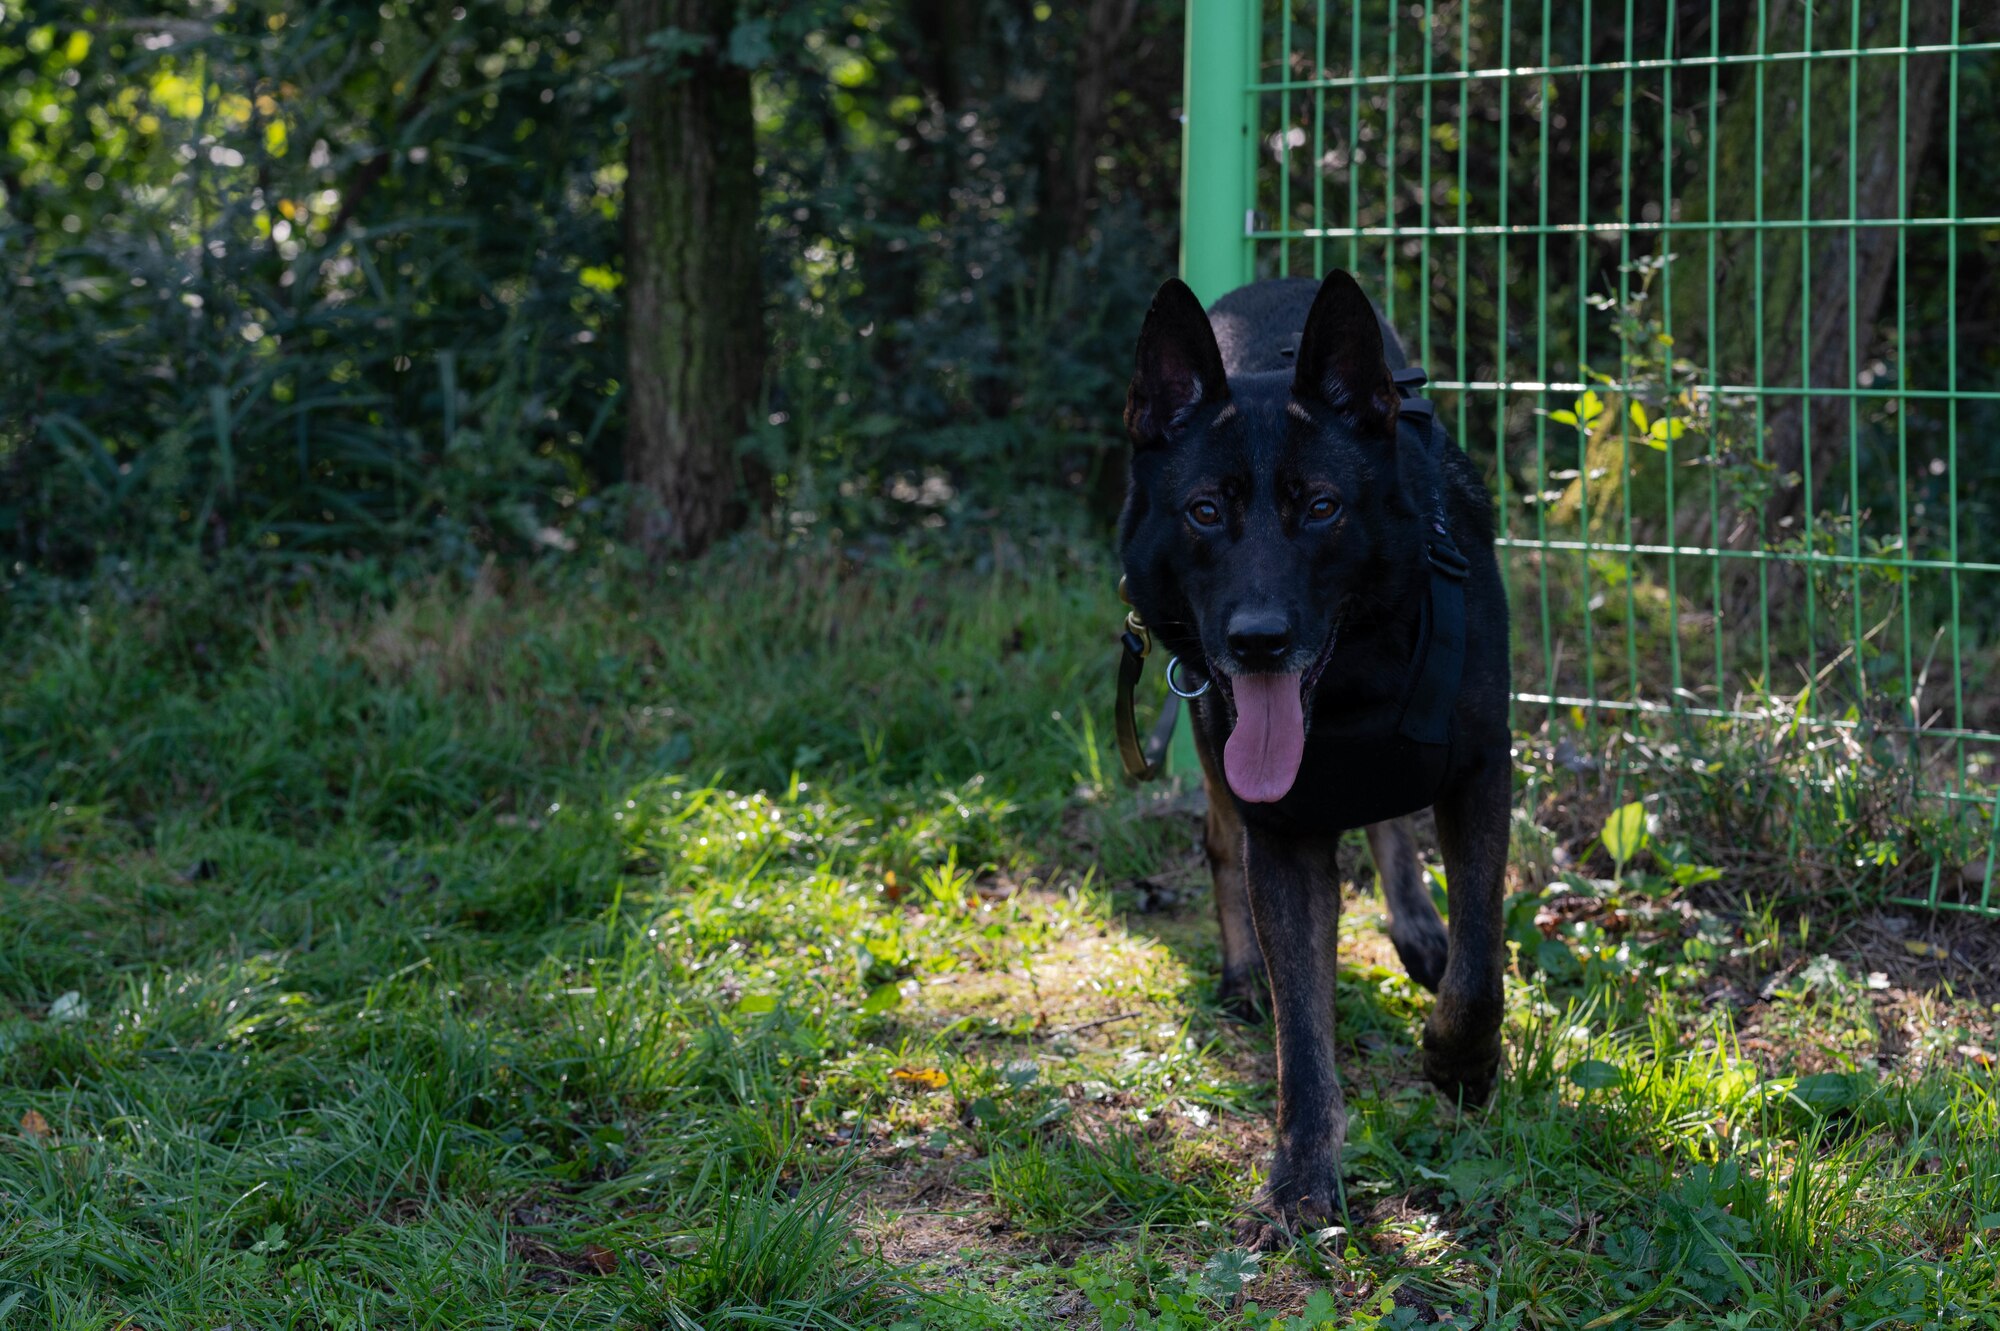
{"x":1263,"y":754}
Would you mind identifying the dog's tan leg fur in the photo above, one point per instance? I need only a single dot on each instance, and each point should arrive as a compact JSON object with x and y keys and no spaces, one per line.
{"x":1245,"y":989}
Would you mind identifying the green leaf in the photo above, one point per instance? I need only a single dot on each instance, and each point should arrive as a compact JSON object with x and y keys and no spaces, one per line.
{"x":750,"y":44}
{"x":1555,"y":958}
{"x":754,"y":1003}
{"x":1563,"y":417}
{"x":1624,"y":833}
{"x":1827,"y":1091}
{"x":1594,"y":1074}
{"x":1227,"y":1273}
{"x":1320,"y":1307}
{"x":883,"y":998}
{"x":1639,"y":414}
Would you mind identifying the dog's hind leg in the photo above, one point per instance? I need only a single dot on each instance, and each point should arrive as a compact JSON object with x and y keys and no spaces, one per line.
{"x":1414,"y":926}
{"x":1245,"y":992}
{"x":1462,"y":1036}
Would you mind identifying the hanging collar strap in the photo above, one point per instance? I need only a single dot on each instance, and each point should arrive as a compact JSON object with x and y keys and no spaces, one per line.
{"x":1439,"y":662}
{"x":1143,"y":760}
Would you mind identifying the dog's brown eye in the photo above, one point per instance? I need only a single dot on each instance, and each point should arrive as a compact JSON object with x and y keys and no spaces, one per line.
{"x":1204,"y":513}
{"x":1322,"y":508}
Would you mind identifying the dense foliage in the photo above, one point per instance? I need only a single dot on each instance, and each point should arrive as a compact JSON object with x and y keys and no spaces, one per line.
{"x":278,"y":282}
{"x":345,"y":278}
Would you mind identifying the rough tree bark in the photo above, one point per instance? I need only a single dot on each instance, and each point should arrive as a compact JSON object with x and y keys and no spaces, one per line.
{"x":694,"y":295}
{"x":920,"y":180}
{"x":1107,"y":27}
{"x":1072,"y":144}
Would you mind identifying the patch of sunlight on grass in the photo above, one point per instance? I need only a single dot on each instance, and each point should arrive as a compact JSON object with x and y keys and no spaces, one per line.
{"x":575,"y":953}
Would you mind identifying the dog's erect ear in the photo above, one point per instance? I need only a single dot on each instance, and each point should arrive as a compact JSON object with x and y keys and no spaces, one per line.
{"x":1340,"y":355}
{"x":1179,"y":369}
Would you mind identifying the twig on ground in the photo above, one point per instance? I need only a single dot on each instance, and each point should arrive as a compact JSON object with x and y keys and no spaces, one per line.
{"x":1090,"y":1025}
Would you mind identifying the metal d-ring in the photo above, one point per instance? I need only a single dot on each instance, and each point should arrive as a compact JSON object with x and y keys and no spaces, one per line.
{"x":1174,"y":683}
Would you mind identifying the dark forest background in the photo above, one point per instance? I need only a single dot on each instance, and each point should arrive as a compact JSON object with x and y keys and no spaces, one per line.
{"x":378,"y":285}
{"x":312,"y":285}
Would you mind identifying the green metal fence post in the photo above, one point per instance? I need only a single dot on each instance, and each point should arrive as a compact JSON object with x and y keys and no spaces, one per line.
{"x":1218,"y":147}
{"x":1218,"y":165}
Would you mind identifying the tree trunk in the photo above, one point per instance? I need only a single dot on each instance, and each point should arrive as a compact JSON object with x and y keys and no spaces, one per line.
{"x":1070,"y":159}
{"x":919,"y":181}
{"x":694,"y":303}
{"x":1808,"y":347}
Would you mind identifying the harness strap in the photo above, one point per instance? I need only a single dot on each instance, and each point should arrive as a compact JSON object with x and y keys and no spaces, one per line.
{"x":1439,"y":662}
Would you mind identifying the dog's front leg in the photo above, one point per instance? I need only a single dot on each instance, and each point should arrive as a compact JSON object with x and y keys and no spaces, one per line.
{"x":1462,"y":1036}
{"x":1245,"y":993}
{"x":1295,"y":897}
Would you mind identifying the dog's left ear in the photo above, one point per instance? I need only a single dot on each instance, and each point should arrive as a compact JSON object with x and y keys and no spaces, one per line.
{"x":1340,"y":360}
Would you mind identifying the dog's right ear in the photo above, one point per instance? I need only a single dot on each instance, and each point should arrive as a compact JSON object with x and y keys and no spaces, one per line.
{"x":1179,"y":369}
{"x":1340,"y":358}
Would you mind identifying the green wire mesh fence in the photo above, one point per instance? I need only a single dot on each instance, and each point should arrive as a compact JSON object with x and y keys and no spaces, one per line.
{"x":1708,"y":288}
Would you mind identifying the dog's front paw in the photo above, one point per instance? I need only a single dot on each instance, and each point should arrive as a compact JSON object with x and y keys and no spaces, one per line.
{"x":1297,"y":1203}
{"x":1463,"y":1070}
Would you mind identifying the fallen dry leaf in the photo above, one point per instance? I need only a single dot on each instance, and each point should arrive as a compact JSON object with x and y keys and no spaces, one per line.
{"x":1977,"y":1055}
{"x":1565,"y":909}
{"x":929,"y":1079}
{"x":34,"y":1125}
{"x":599,"y":1258}
{"x":995,"y":888}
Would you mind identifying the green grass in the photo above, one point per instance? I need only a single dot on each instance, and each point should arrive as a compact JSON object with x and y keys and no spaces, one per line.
{"x":770,"y":944}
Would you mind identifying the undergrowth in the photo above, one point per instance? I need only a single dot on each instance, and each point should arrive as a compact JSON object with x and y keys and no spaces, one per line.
{"x":768,"y":943}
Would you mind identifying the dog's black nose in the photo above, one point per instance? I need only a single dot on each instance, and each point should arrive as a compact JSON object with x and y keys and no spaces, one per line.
{"x":1259,"y":637}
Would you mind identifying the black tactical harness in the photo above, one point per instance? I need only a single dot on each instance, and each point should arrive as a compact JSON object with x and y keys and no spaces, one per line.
{"x":1435,"y":667}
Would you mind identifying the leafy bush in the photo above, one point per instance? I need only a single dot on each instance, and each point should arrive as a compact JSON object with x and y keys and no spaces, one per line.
{"x":304,"y":281}
{"x":346,"y":281}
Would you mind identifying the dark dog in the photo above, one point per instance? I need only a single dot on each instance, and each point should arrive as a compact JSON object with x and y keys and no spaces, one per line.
{"x":1311,"y":544}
